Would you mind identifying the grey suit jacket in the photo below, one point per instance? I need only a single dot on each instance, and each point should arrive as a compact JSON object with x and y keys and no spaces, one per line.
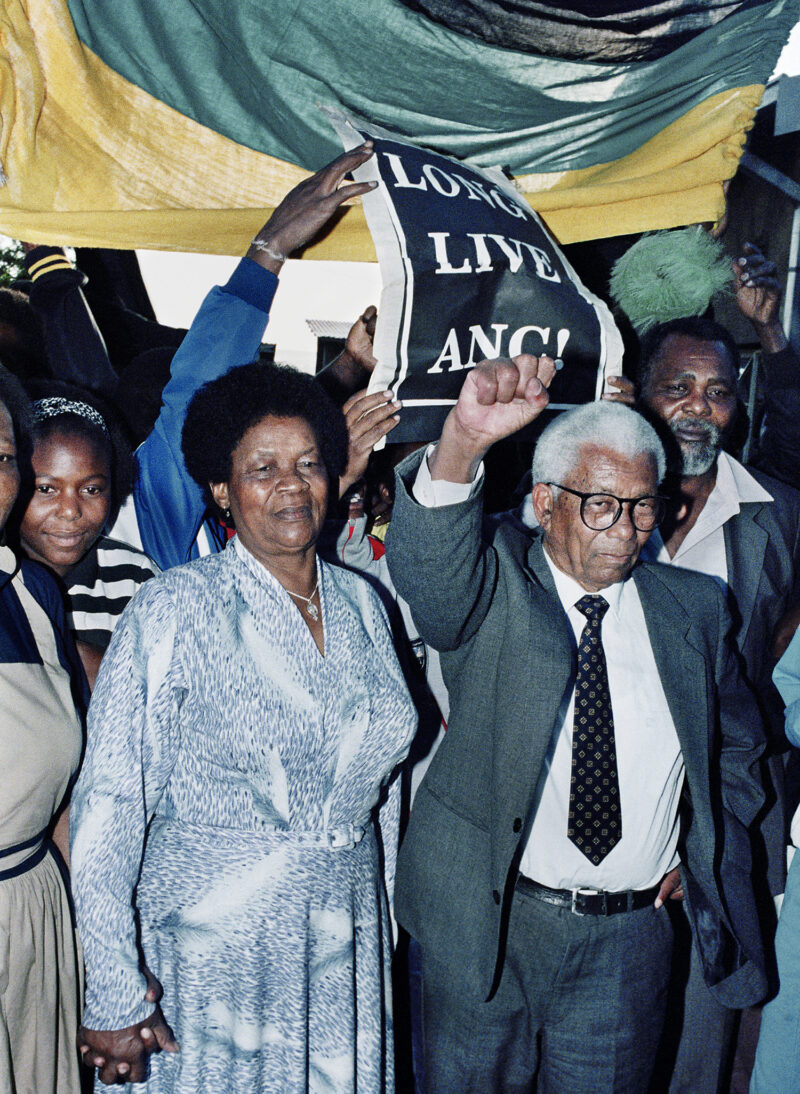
{"x":762,"y":547}
{"x":507,"y":658}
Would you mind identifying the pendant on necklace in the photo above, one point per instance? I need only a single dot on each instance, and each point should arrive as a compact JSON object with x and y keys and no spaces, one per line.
{"x":313,"y":611}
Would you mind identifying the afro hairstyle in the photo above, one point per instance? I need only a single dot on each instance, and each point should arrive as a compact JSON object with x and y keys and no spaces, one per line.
{"x":222,"y":411}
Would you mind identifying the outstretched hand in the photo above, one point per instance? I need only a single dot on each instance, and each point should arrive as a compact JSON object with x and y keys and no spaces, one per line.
{"x":758,"y":295}
{"x":121,"y":1055}
{"x":308,"y":207}
{"x":497,"y":399}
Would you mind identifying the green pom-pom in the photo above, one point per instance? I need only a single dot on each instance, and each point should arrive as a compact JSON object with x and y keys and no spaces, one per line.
{"x":667,"y":275}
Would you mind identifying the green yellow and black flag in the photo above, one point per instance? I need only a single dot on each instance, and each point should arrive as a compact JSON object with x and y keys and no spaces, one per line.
{"x":178,"y":124}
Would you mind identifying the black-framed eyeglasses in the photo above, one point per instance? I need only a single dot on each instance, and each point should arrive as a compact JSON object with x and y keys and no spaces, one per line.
{"x":601,"y":511}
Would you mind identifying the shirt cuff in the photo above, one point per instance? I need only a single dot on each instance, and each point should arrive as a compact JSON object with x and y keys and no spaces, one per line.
{"x":253,"y":284}
{"x":434,"y":493}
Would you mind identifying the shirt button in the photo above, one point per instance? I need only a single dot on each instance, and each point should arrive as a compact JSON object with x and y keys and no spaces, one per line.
{"x":517,"y":824}
{"x":495,"y":896}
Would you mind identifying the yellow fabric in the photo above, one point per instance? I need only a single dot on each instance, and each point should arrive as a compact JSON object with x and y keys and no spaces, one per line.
{"x":92,"y":160}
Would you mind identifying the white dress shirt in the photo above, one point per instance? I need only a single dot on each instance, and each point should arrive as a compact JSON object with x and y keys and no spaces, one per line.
{"x":703,"y":549}
{"x":649,"y":760}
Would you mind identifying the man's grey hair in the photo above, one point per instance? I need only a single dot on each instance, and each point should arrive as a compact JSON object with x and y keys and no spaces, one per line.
{"x":601,"y":424}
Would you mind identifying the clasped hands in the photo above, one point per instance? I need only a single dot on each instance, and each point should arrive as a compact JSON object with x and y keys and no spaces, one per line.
{"x":121,"y":1055}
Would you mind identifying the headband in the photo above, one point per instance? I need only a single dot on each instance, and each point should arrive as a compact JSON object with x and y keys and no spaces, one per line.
{"x":53,"y":407}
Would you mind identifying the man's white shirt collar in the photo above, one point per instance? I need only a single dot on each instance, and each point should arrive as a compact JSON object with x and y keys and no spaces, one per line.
{"x":570,"y":591}
{"x":735,"y":486}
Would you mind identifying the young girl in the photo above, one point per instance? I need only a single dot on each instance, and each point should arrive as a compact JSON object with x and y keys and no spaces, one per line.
{"x":82,"y":472}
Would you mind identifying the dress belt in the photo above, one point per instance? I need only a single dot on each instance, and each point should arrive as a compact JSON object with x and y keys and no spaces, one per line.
{"x":342,"y":838}
{"x":28,"y":863}
{"x":589,"y":901}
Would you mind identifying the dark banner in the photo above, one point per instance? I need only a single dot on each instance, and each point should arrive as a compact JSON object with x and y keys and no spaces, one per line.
{"x":469,"y":272}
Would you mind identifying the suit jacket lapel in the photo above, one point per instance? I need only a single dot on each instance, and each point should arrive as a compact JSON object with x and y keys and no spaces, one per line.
{"x":745,"y":547}
{"x":551,"y":660}
{"x":681,"y":665}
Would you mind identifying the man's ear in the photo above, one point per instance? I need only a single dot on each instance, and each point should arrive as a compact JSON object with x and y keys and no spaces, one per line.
{"x":220,"y":494}
{"x":542,"y":498}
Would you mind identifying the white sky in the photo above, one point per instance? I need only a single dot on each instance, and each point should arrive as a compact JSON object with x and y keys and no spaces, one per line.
{"x":178,"y":282}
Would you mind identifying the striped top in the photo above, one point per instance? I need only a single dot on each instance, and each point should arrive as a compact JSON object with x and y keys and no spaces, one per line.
{"x":100,"y":586}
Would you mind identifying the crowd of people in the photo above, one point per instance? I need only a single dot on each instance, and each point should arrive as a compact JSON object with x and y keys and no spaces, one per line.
{"x":319,"y":777}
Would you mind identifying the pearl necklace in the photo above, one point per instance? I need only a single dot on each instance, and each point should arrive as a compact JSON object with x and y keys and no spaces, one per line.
{"x":312,"y":609}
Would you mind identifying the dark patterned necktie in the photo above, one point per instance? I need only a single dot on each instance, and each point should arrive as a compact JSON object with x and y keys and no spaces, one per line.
{"x":595,"y":819}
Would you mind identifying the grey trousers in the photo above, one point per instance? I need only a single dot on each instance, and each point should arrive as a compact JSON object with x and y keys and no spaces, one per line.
{"x":579,"y":1009}
{"x":706,"y":1027}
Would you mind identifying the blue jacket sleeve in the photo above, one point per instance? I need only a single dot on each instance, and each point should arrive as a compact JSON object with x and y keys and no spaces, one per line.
{"x":226,"y":332}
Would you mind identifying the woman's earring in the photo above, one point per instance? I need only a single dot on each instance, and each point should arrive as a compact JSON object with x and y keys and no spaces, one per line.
{"x":227,"y":514}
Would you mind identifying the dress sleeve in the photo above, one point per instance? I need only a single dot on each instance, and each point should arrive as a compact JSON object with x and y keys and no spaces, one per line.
{"x":226,"y":332}
{"x":132,"y":742}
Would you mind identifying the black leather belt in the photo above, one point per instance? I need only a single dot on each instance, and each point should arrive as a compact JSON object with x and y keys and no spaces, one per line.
{"x":589,"y":901}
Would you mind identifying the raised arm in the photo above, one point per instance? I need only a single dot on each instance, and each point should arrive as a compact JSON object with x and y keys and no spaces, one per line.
{"x":437,"y":558}
{"x":76,"y":350}
{"x":758,"y":296}
{"x":226,"y":332}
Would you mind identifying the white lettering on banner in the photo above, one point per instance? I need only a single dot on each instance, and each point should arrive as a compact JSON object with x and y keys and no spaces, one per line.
{"x":490,"y":349}
{"x":400,"y":175}
{"x":430,"y":172}
{"x":450,"y":352}
{"x":482,"y":256}
{"x":442,"y":261}
{"x":507,"y":206}
{"x":475,"y":192}
{"x":448,"y":186}
{"x":511,"y":248}
{"x":516,"y":339}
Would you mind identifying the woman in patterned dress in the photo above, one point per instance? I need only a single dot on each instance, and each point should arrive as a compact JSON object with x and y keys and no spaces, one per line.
{"x":235,"y":822}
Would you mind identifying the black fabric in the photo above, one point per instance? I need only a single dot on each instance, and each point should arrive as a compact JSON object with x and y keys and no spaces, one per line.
{"x":582,"y":31}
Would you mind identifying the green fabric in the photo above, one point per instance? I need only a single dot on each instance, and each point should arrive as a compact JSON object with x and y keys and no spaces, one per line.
{"x":255,"y":71}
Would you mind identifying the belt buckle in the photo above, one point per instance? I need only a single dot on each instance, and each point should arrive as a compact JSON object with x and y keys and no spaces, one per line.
{"x":342,"y":838}
{"x":577,"y":893}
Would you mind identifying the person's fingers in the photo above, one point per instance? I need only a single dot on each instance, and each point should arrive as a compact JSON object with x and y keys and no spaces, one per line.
{"x":617,"y":397}
{"x":107,"y":1073}
{"x":345,"y":193}
{"x":375,"y":417}
{"x":332,"y":173}
{"x":509,"y":381}
{"x":677,"y":894}
{"x":165,"y":1038}
{"x":154,"y":989}
{"x":361,"y":403}
{"x":370,"y":438}
{"x":546,"y":369}
{"x":485,"y":381}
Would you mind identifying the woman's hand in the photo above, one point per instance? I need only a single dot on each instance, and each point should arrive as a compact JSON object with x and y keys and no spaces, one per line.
{"x":120,"y":1055}
{"x":368,"y":417}
{"x":308,"y":208}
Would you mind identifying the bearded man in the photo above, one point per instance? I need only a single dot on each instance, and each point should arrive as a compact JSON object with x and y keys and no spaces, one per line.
{"x":743,"y":528}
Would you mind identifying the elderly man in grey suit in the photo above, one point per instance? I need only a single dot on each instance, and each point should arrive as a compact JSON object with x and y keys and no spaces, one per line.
{"x":600,"y":735}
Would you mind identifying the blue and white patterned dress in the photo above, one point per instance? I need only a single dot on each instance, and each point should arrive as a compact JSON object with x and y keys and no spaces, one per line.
{"x":257,"y":764}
